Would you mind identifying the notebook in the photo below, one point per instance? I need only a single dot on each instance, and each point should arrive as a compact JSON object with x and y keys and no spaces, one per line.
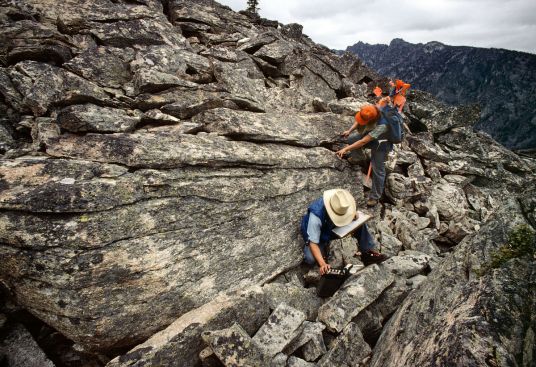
{"x":362,"y":218}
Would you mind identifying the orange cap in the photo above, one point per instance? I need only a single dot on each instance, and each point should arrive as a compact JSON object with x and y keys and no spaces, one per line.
{"x":399,"y":84}
{"x":377,"y":91}
{"x":366,"y":114}
{"x":399,"y":100}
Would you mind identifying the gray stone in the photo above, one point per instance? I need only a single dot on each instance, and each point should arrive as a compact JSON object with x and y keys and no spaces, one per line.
{"x":158,"y":117}
{"x":438,"y":117}
{"x":282,"y":327}
{"x":275,"y":52}
{"x":167,"y":149}
{"x":267,"y":126}
{"x":357,"y":292}
{"x":412,"y":238}
{"x":296,"y":296}
{"x":92,"y":118}
{"x":292,"y":30}
{"x":27,"y":39}
{"x":151,"y":81}
{"x":102,"y":66}
{"x":449,"y":200}
{"x":62,"y":87}
{"x":280,"y":360}
{"x":314,"y":348}
{"x":457,"y":230}
{"x":309,"y":330}
{"x":349,"y":349}
{"x":371,"y":319}
{"x":44,"y":130}
{"x":235,"y":348}
{"x":347,"y":106}
{"x":298,"y":362}
{"x":248,"y":93}
{"x":208,"y":358}
{"x":415,"y":281}
{"x":407,"y":263}
{"x":19,"y":349}
{"x":398,"y":187}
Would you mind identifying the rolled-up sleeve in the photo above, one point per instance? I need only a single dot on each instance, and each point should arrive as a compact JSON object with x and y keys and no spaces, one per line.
{"x":314,"y":228}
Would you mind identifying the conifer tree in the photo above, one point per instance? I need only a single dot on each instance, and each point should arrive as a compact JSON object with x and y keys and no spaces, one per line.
{"x":253,"y":6}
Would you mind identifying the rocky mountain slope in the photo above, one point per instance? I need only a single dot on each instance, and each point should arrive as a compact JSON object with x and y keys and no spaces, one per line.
{"x":502,"y":81}
{"x":156,"y":160}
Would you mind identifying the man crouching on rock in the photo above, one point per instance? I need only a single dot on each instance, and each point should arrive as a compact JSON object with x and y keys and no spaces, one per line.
{"x":336,"y":208}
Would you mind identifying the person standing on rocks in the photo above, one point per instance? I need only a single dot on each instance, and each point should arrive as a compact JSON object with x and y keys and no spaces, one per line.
{"x":370,"y":125}
{"x":336,"y":208}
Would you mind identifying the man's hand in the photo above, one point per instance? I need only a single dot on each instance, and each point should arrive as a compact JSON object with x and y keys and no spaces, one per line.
{"x":342,"y":152}
{"x":346,"y":133}
{"x":324,"y":269}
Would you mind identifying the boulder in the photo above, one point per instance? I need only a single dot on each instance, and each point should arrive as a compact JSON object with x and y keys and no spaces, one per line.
{"x":296,"y":296}
{"x":235,"y":348}
{"x":182,"y":339}
{"x":92,"y":118}
{"x":277,"y":333}
{"x":62,"y":87}
{"x":349,"y":349}
{"x":360,"y":290}
{"x":407,"y":263}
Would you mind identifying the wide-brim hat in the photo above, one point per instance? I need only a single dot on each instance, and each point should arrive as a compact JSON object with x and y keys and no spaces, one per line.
{"x":340,"y":205}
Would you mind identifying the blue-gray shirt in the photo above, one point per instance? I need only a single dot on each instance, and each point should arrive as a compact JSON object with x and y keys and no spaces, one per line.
{"x":313,"y":228}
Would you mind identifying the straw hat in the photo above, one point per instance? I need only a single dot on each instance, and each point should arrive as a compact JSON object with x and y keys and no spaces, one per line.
{"x":340,"y":205}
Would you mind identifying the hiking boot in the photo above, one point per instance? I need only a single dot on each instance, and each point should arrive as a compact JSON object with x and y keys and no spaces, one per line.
{"x":372,"y":257}
{"x":372,"y":202}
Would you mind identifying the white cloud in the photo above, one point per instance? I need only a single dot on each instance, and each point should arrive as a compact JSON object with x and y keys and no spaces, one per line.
{"x":337,"y":24}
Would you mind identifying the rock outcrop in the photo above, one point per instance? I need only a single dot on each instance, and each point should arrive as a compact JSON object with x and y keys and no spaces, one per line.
{"x":157,"y":158}
{"x":155,"y":155}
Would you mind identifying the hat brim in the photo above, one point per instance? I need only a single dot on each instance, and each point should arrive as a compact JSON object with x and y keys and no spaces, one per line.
{"x":359,"y":119}
{"x":340,"y":220}
{"x":368,"y":127}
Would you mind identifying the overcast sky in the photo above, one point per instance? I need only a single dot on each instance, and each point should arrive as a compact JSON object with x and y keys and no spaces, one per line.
{"x":509,"y":24}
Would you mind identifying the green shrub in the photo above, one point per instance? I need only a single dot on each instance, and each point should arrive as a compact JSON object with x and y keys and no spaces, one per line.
{"x":521,"y":242}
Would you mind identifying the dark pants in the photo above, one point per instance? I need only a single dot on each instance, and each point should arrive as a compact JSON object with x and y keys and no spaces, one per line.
{"x":378,"y":156}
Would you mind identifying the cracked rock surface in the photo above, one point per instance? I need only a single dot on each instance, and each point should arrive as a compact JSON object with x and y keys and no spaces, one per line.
{"x":156,"y":158}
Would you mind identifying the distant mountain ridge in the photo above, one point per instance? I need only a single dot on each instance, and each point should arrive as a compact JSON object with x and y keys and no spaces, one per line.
{"x":502,"y":81}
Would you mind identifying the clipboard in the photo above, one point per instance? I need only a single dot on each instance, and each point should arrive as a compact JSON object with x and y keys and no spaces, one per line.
{"x":343,"y":231}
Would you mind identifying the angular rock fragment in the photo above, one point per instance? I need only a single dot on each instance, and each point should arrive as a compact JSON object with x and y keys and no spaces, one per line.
{"x":62,"y":87}
{"x":357,"y":292}
{"x":349,"y":349}
{"x":280,"y":360}
{"x":103,"y":66}
{"x":92,"y":118}
{"x":308,"y":331}
{"x":296,"y":296}
{"x":314,"y":348}
{"x":407,"y":263}
{"x":18,"y":348}
{"x":282,"y":327}
{"x":235,"y":348}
